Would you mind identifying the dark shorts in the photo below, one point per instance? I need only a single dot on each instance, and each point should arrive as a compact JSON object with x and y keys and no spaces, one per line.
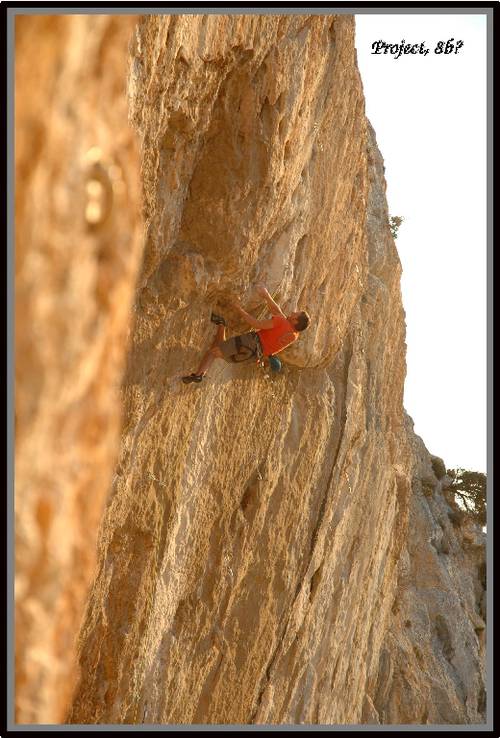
{"x":240,"y":348}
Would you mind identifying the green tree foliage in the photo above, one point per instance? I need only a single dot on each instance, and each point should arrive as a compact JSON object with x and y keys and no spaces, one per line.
{"x":394,"y":223}
{"x":469,"y":488}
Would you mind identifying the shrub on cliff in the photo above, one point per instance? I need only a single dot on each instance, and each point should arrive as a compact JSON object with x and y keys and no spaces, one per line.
{"x":469,"y":488}
{"x":394,"y":223}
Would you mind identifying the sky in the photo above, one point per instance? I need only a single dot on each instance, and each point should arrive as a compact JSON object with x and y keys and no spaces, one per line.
{"x":429,"y":116}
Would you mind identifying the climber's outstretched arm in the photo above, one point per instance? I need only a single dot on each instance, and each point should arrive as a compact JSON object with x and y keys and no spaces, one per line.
{"x":251,"y":320}
{"x":273,"y":306}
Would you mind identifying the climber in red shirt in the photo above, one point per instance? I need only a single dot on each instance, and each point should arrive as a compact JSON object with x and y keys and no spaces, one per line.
{"x":269,"y":337}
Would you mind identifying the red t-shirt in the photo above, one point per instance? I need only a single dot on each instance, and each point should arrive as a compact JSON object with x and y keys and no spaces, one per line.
{"x":278,"y":337}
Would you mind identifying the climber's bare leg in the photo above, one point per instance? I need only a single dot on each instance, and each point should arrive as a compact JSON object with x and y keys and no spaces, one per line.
{"x":213,"y":352}
{"x":220,"y":336}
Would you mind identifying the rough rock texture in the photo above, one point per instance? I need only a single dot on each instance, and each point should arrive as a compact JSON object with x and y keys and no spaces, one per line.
{"x":432,"y":661}
{"x":266,"y":539}
{"x":260,"y":538}
{"x":78,"y":238}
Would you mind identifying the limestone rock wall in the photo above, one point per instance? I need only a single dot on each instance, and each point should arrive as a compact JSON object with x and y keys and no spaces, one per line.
{"x":432,"y":663}
{"x":78,"y":238}
{"x":266,"y":539}
{"x":253,"y":529}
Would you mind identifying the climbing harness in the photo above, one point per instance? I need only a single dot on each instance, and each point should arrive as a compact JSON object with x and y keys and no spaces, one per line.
{"x":244,"y":352}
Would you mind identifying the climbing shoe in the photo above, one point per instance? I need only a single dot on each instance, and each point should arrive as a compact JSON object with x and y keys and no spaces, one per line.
{"x":192,"y":378}
{"x":217,"y":319}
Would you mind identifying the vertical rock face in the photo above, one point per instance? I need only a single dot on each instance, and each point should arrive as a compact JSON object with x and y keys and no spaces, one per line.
{"x":250,"y":554}
{"x":266,"y":538}
{"x":249,"y":547}
{"x":78,"y":240}
{"x":432,"y":661}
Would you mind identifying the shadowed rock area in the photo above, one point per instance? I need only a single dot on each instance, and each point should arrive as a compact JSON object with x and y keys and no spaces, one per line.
{"x":273,"y":549}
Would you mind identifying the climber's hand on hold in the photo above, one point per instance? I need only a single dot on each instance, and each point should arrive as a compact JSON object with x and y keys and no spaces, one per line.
{"x":274,"y":308}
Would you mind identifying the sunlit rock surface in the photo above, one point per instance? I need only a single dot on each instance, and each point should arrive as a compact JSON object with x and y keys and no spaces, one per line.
{"x":266,"y":538}
{"x":78,"y":240}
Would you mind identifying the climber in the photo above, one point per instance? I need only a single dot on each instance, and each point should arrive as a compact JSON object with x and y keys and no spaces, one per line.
{"x":269,"y":337}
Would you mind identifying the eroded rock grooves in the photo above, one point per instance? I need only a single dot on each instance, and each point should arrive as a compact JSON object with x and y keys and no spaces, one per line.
{"x":273,"y":550}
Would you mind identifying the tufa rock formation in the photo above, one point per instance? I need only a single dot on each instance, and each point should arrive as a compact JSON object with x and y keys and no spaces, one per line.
{"x":273,"y":549}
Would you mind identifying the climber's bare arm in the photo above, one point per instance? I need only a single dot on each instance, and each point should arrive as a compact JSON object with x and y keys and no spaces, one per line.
{"x":273,"y":306}
{"x":251,"y":320}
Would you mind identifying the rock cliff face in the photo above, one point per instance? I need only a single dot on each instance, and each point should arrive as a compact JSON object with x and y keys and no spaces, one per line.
{"x":274,"y":549}
{"x":78,"y":239}
{"x":431,"y":665}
